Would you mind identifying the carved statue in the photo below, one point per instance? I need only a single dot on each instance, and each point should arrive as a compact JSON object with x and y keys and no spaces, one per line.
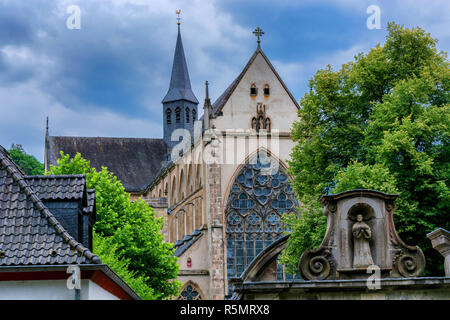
{"x":261,"y":123}
{"x":362,"y":258}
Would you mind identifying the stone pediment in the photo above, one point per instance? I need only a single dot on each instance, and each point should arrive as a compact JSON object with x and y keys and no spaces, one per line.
{"x":361,"y":237}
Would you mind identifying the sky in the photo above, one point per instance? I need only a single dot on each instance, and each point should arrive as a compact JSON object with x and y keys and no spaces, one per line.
{"x":108,"y":77}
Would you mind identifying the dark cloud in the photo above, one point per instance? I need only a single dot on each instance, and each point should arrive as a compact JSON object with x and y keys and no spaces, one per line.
{"x":109,"y":77}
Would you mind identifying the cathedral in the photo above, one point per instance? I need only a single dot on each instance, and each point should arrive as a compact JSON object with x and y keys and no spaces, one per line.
{"x":219,"y":180}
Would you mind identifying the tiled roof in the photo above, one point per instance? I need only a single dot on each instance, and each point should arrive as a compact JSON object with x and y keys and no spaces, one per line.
{"x":134,"y":161}
{"x":90,"y":207}
{"x":29,"y":233}
{"x":59,"y":187}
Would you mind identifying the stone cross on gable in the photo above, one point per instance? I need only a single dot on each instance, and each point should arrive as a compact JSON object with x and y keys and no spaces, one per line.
{"x":258,"y":32}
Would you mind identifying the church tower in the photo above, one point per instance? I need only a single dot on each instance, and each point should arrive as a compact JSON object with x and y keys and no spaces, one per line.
{"x":180,"y":103}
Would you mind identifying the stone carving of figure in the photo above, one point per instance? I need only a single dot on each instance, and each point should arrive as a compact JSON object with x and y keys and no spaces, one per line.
{"x":267,"y":126}
{"x":261,"y":123}
{"x":254,"y":125}
{"x":362,"y":258}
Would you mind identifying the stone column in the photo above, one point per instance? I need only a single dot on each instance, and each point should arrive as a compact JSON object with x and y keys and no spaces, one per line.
{"x":215,"y":231}
{"x":440,"y":240}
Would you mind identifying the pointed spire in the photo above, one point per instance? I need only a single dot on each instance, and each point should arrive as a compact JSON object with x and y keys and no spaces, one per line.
{"x":206,"y":108}
{"x":180,"y":84}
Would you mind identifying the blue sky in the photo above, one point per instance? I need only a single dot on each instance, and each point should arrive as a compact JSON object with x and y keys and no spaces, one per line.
{"x":109,"y":77}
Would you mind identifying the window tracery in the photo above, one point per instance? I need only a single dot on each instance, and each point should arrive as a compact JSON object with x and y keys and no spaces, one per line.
{"x":190,"y":292}
{"x":259,"y":196}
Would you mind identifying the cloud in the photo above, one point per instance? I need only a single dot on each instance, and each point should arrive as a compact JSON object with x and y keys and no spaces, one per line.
{"x":24,"y":113}
{"x":109,"y":77}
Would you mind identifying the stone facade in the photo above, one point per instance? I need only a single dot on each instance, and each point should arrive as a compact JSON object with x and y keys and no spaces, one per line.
{"x":196,"y":189}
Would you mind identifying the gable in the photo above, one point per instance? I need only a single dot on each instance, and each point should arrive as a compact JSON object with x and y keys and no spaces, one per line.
{"x":235,"y":107}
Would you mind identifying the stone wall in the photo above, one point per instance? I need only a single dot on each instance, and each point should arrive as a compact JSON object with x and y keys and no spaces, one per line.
{"x":215,"y":232}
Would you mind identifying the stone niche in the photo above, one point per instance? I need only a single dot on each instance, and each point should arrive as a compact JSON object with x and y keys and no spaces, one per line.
{"x":360,"y":240}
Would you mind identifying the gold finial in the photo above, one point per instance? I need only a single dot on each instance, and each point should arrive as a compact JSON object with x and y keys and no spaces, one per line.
{"x":178,"y":12}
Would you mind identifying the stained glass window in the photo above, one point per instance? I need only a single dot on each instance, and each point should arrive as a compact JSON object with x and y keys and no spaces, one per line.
{"x":190,"y":293}
{"x":259,"y":196}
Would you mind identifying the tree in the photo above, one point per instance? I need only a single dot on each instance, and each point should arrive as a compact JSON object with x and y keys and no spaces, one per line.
{"x":381,"y":122}
{"x":131,"y":226}
{"x":106,"y":249}
{"x":27,"y":163}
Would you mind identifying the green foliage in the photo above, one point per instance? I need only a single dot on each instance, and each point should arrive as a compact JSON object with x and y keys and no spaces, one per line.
{"x":27,"y":163}
{"x":106,"y":249}
{"x":307,"y":229}
{"x":380,"y":122}
{"x":131,"y":226}
{"x":359,"y":176}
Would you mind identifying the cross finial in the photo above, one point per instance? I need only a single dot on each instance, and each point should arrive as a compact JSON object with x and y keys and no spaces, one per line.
{"x":178,"y":12}
{"x":258,"y":32}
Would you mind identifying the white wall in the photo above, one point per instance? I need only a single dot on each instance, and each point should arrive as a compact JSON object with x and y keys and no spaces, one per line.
{"x":51,"y":290}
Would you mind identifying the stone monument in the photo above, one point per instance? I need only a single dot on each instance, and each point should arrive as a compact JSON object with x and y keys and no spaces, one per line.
{"x":440,"y":240}
{"x":361,"y":237}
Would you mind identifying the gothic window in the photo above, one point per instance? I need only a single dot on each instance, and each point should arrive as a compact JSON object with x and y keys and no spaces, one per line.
{"x":190,"y":292}
{"x":260,"y":194}
{"x":177,"y":115}
{"x":266,"y":90}
{"x":187,"y":115}
{"x":169,"y":116}
{"x":194,"y":115}
{"x":253,"y":90}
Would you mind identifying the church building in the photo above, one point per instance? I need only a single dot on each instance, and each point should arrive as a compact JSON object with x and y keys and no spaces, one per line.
{"x":219,"y":180}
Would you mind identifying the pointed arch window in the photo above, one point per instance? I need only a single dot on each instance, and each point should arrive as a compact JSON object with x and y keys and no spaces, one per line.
{"x":259,"y":196}
{"x":177,"y":115}
{"x":194,"y":115}
{"x":187,"y":115}
{"x":190,"y":292}
{"x":169,"y":116}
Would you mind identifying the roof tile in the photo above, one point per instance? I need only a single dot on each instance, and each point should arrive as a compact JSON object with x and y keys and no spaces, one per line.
{"x":29,"y":233}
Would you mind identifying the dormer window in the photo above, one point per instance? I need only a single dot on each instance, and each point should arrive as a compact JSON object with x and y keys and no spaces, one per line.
{"x":253,"y":90}
{"x":169,"y":116}
{"x":266,"y":90}
{"x":177,"y":115}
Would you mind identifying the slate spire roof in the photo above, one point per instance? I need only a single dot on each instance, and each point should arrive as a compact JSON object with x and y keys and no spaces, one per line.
{"x":29,"y":233}
{"x":180,"y":84}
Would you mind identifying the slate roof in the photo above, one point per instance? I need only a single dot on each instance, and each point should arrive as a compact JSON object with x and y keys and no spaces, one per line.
{"x":223,"y":98}
{"x":29,"y":233}
{"x":182,"y":245}
{"x":91,"y":205}
{"x":135,"y":161}
{"x":180,"y":84}
{"x":58,"y":187}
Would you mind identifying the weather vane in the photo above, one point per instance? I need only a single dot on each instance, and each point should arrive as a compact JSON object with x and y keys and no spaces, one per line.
{"x":258,"y":32}
{"x":178,"y":13}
